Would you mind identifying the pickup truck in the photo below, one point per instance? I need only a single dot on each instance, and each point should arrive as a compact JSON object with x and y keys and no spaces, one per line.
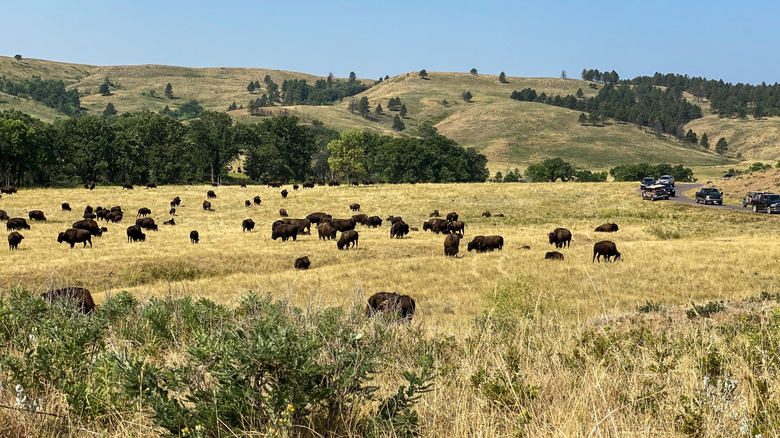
{"x":709,"y":195}
{"x":767,"y":203}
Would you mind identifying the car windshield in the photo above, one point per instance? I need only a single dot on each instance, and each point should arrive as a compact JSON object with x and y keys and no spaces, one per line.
{"x":650,"y":179}
{"x":710,"y":191}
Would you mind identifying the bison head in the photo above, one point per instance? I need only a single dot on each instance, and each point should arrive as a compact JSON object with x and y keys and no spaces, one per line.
{"x":617,"y":255}
{"x":614,"y":227}
{"x":340,"y":244}
{"x":426,"y":226}
{"x":61,"y":237}
{"x":553,"y":237}
{"x":471,"y":246}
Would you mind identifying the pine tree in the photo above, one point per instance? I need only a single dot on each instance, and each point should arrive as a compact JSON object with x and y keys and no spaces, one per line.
{"x":423,"y":74}
{"x":169,"y":91}
{"x":580,"y":94}
{"x":502,"y":78}
{"x":352,"y":76}
{"x":473,"y":71}
{"x":722,"y":146}
{"x":257,"y":85}
{"x":362,"y":107}
{"x":466,"y":96}
{"x":691,"y":137}
{"x":583,"y":119}
{"x":403,"y":110}
{"x":378,"y":110}
{"x":251,"y":87}
{"x":705,"y":142}
{"x":232,"y":106}
{"x":498,"y":178}
{"x":110,"y":110}
{"x":104,"y":89}
{"x":398,"y":124}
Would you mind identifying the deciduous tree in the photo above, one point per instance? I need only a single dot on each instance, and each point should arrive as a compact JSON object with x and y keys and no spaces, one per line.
{"x":346,"y":155}
{"x":466,"y":96}
{"x":423,"y":74}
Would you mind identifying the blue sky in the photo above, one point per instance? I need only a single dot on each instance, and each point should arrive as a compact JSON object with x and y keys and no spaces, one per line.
{"x":736,"y":42}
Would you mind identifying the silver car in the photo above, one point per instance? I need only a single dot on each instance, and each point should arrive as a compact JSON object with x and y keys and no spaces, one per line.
{"x":666,"y":179}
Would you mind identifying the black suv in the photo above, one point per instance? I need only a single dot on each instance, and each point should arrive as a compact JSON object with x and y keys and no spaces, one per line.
{"x":709,"y":195}
{"x":646,"y":181}
{"x":766,"y":202}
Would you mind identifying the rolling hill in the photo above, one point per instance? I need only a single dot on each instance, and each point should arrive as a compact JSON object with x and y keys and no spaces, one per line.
{"x":511,"y":133}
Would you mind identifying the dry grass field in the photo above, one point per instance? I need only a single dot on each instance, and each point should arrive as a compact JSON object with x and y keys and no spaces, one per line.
{"x":523,"y":346}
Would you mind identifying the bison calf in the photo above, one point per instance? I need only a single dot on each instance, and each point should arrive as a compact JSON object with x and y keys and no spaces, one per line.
{"x":65,"y":206}
{"x":354,"y":207}
{"x":282,"y":212}
{"x":302,"y":263}
{"x":606,"y":228}
{"x":194,"y":237}
{"x":553,"y":255}
{"x":211,"y":195}
{"x":247,"y":225}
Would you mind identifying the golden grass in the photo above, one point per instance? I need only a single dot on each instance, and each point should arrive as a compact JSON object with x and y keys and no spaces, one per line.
{"x":754,"y":139}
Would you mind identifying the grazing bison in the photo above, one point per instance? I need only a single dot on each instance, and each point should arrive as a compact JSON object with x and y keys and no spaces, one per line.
{"x":436,"y":226}
{"x":8,"y":190}
{"x":308,"y":185}
{"x":117,"y":209}
{"x":284,"y":193}
{"x":494,"y":242}
{"x":374,"y":222}
{"x":171,"y":221}
{"x":176,"y":202}
{"x":399,"y":230}
{"x":127,"y":186}
{"x":36,"y":215}
{"x":172,"y":211}
{"x":88,"y":225}
{"x":257,"y":200}
{"x":88,"y":209}
{"x":17,"y":223}
{"x":89,"y":216}
{"x":553,"y":255}
{"x":194,"y":237}
{"x":101,"y":213}
{"x":242,"y":185}
{"x":206,"y":205}
{"x":86,"y":304}
{"x":302,"y":263}
{"x":451,"y":244}
{"x":391,"y":303}
{"x":333,"y":183}
{"x":318,"y":217}
{"x":74,"y":236}
{"x":477,"y":244}
{"x":247,"y":203}
{"x":326,"y":231}
{"x":283,"y":212}
{"x":343,"y":225}
{"x":3,"y":215}
{"x":211,"y":195}
{"x":606,"y":228}
{"x":146,"y":223}
{"x":285,"y":231}
{"x":457,"y":227}
{"x":143,"y":211}
{"x":247,"y":225}
{"x":151,"y":185}
{"x":114,"y":216}
{"x":347,"y":239}
{"x":499,"y":215}
{"x":607,"y":249}
{"x":14,"y":239}
{"x":354,"y":207}
{"x":362,"y":219}
{"x":452,"y":216}
{"x":486,"y":214}
{"x":560,"y":237}
{"x":134,"y":234}
{"x":295,"y":186}
{"x":393,"y":219}
{"x":65,"y":206}
{"x":275,"y":184}
{"x":304,"y":225}
{"x":435,"y":213}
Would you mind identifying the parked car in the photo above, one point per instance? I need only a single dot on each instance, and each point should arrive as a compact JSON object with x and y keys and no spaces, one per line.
{"x":766,"y":202}
{"x":666,"y":179}
{"x":669,"y":189}
{"x":728,"y":176}
{"x":709,"y":195}
{"x":646,"y":181}
{"x":750,"y":197}
{"x":655,"y":192}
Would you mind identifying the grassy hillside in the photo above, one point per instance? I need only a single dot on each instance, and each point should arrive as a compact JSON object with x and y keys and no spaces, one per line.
{"x":511,"y":133}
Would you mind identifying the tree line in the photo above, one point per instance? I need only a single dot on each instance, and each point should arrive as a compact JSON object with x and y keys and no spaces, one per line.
{"x":323,"y":92}
{"x":145,"y":147}
{"x":48,"y":92}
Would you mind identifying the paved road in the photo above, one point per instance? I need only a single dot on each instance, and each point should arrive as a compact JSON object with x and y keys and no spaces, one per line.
{"x":682,"y":199}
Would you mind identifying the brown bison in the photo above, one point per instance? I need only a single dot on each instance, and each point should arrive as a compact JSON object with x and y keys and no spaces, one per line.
{"x":393,"y":219}
{"x":452,"y":216}
{"x":326,"y":231}
{"x":127,"y":186}
{"x":348,"y":238}
{"x":88,"y":209}
{"x":171,"y":221}
{"x":3,"y":215}
{"x":247,"y":203}
{"x":242,"y":185}
{"x":283,"y":213}
{"x":436,"y":226}
{"x":207,"y":205}
{"x":560,"y":237}
{"x":362,"y":219}
{"x":343,"y":225}
{"x":304,"y":225}
{"x":486,"y":214}
{"x":14,"y":239}
{"x":457,"y":227}
{"x":117,"y":209}
{"x":211,"y":195}
{"x":257,"y":200}
{"x":302,"y":263}
{"x":194,"y":236}
{"x":494,"y":242}
{"x":65,"y":206}
{"x":435,"y":213}
{"x":275,"y":184}
{"x":17,"y":223}
{"x":399,"y":230}
{"x":451,"y":244}
{"x":176,"y":202}
{"x":477,"y":244}
{"x":284,"y":193}
{"x":8,"y":190}
{"x":354,"y":207}
{"x":36,"y":215}
{"x":143,"y":212}
{"x":285,"y":231}
{"x":318,"y":217}
{"x":85,"y":304}
{"x":607,"y":249}
{"x":296,"y":186}
{"x":74,"y":236}
{"x":308,"y":185}
{"x":499,"y":215}
{"x":553,"y":255}
{"x":114,"y":216}
{"x":374,"y":222}
{"x":89,"y":216}
{"x":134,"y":234}
{"x":247,"y":225}
{"x":172,"y":211}
{"x":391,"y":303}
{"x":606,"y":228}
{"x":88,"y":225}
{"x":146,"y":223}
{"x":151,"y":185}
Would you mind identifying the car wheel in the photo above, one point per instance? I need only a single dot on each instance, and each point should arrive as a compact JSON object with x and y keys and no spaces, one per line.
{"x":720,"y":203}
{"x":768,"y":210}
{"x":755,"y":209}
